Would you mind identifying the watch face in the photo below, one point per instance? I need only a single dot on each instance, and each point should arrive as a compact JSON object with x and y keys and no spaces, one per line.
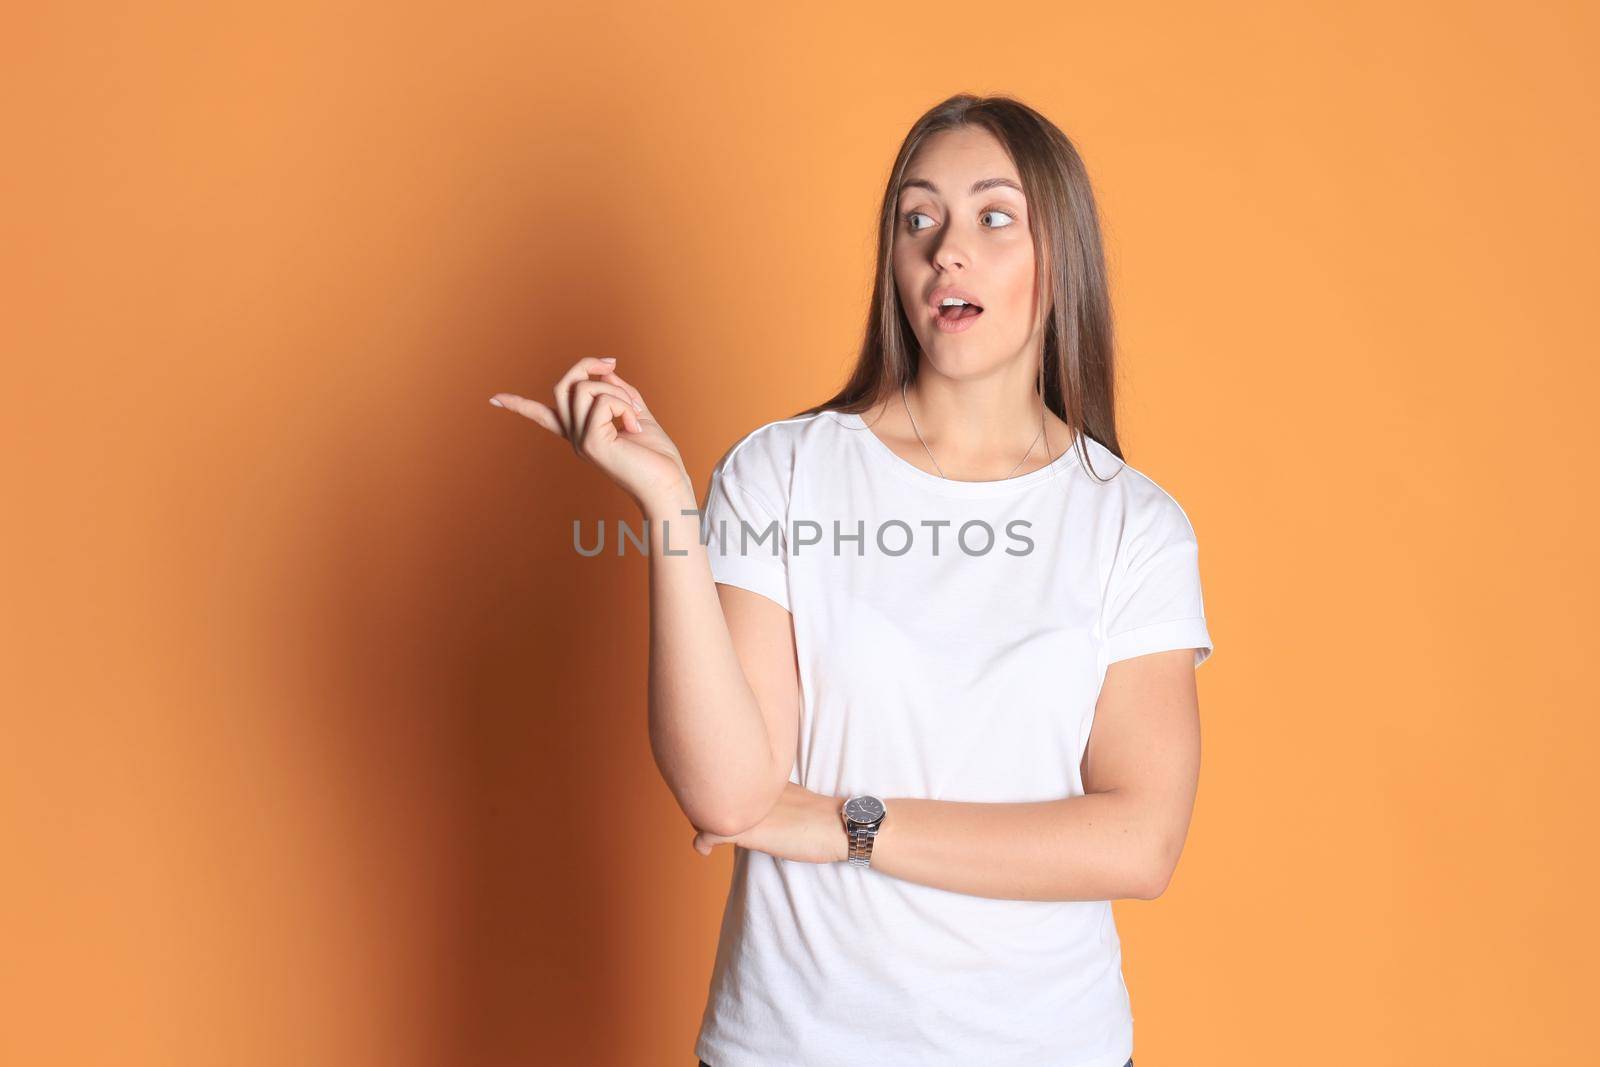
{"x":863,"y":809}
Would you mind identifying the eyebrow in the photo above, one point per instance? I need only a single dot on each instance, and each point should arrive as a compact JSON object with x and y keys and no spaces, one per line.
{"x":977,"y":186}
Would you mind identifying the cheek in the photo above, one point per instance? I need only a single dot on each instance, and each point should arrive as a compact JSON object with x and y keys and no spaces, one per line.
{"x":905,"y":274}
{"x":1017,"y":278}
{"x":909,"y":282}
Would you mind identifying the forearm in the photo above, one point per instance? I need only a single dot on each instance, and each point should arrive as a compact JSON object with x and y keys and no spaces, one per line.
{"x":707,"y":732}
{"x":1100,"y":846}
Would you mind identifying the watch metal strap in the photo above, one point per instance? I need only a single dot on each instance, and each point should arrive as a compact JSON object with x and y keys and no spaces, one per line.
{"x":861,"y":845}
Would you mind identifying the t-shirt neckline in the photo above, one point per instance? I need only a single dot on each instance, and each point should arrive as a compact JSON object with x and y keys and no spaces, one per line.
{"x":892,"y":461}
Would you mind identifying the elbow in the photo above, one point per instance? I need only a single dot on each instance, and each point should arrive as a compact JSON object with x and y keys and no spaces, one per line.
{"x":1153,"y":885}
{"x":723,"y":817}
{"x":724,"y":823}
{"x":1156,"y":875}
{"x":734,"y":816}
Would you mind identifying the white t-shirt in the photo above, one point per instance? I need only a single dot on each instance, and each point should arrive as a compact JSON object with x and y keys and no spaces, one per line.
{"x":953,"y":647}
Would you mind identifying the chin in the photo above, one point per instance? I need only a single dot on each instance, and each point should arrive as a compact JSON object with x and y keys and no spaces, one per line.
{"x":961,"y":361}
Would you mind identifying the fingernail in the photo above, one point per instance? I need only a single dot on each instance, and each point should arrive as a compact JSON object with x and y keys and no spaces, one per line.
{"x":496,"y":402}
{"x":638,"y":406}
{"x":608,"y":359}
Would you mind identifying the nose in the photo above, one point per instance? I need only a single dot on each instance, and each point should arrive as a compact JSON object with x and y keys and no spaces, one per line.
{"x":950,"y":251}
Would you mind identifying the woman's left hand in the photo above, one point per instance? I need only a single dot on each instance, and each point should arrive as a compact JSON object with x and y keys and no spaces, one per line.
{"x":802,"y":826}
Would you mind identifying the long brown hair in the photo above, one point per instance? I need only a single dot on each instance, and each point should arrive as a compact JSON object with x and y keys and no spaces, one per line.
{"x":1076,"y":371}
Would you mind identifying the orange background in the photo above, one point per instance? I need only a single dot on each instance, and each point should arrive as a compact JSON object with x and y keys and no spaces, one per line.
{"x":322,"y":746}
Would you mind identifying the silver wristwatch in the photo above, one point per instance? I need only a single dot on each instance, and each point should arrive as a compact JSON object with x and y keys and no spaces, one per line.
{"x":862,"y":816}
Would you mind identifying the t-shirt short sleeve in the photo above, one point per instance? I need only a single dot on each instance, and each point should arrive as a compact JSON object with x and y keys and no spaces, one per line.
{"x":743,"y":530}
{"x":1154,"y":601}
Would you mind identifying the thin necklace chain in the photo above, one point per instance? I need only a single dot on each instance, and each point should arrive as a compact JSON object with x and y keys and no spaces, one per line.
{"x":928,"y":450}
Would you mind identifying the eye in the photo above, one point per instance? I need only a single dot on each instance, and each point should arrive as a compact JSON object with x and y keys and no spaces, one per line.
{"x":1005,"y":214}
{"x":912,"y":215}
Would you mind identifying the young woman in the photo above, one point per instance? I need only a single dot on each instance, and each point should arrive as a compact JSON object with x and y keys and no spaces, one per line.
{"x":926,"y":659}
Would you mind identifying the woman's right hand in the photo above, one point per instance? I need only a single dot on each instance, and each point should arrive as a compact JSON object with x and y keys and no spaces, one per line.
{"x":642,"y":459}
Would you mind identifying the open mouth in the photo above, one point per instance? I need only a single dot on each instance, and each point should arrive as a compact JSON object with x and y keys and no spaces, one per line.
{"x":952,"y":312}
